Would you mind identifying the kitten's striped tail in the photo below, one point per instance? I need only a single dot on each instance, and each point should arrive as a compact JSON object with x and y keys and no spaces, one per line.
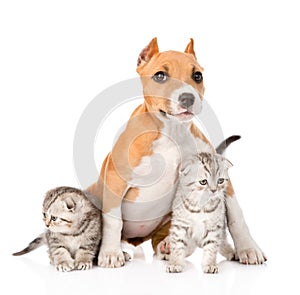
{"x":36,"y":243}
{"x":225,"y":143}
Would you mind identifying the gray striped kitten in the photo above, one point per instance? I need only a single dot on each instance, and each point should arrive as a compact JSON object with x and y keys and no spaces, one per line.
{"x":199,"y":218}
{"x":73,"y":232}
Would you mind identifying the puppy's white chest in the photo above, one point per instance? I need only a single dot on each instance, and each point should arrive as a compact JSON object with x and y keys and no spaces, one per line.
{"x":158,"y":170}
{"x":156,"y":179}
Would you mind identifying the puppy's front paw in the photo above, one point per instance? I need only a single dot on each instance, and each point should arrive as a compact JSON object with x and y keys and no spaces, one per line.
{"x":111,"y":259}
{"x":251,"y":256}
{"x":212,"y":268}
{"x":248,"y":252}
{"x":174,"y":268}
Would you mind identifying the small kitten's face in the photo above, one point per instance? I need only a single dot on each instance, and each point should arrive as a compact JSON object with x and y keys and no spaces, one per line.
{"x":213,"y":173}
{"x":209,"y":174}
{"x":62,"y":215}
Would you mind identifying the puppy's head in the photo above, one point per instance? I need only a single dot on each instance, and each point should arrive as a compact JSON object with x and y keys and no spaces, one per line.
{"x":172,"y":81}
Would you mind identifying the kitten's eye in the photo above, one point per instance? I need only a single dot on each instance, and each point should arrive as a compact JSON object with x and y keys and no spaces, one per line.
{"x":45,"y":215}
{"x":221,"y":180}
{"x":53,"y":218}
{"x":160,"y":77}
{"x":197,"y":77}
{"x":203,"y":182}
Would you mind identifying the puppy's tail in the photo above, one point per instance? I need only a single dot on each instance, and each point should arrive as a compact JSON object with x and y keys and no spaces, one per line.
{"x":225,"y":143}
{"x":36,"y":243}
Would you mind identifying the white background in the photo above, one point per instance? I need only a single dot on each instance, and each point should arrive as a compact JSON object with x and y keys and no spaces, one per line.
{"x":56,"y":56}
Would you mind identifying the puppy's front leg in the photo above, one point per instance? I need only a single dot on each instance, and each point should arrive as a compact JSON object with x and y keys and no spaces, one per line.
{"x":113,"y":190}
{"x":111,"y":254}
{"x":247,"y":250}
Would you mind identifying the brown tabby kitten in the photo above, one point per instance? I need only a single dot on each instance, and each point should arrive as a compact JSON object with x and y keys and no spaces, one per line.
{"x":73,"y":232}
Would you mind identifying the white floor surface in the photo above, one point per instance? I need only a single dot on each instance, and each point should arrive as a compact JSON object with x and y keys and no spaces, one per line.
{"x":32,"y":274}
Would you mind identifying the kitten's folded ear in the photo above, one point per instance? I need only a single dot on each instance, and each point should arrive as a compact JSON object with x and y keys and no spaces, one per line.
{"x":70,"y":204}
{"x":228,"y":164}
{"x":184,"y":171}
{"x":72,"y":201}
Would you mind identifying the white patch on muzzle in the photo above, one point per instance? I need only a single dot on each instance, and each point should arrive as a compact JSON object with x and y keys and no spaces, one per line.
{"x":178,"y":109}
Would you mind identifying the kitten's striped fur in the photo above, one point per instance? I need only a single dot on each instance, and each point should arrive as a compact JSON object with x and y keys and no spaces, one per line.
{"x":74,"y":229}
{"x":199,"y":218}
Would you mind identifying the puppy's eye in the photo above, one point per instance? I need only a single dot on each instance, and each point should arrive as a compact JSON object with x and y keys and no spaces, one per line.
{"x":197,"y":77}
{"x":203,"y":182}
{"x":53,"y":218}
{"x":160,"y":77}
{"x":221,"y":180}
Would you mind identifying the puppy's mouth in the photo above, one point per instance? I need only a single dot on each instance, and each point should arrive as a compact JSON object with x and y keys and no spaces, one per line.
{"x":184,"y":114}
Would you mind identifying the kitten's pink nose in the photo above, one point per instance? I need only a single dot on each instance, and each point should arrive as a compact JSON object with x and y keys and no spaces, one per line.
{"x":213,"y":190}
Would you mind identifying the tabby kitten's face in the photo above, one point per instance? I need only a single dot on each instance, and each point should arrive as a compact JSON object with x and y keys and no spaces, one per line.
{"x":209,"y":174}
{"x":61,"y":213}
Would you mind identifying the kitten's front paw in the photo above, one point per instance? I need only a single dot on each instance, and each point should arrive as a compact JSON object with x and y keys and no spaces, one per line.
{"x":212,"y":268}
{"x":84,"y":265}
{"x":65,"y":266}
{"x":111,"y":259}
{"x":174,"y":268}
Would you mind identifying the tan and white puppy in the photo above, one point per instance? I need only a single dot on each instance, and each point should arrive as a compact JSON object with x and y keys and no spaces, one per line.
{"x":139,"y":176}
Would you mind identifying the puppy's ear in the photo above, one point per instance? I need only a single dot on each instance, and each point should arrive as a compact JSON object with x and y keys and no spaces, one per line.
{"x":147,"y":53}
{"x":190,"y":48}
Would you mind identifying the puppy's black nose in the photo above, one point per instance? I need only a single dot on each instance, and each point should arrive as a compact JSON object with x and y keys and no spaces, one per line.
{"x":186,"y":99}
